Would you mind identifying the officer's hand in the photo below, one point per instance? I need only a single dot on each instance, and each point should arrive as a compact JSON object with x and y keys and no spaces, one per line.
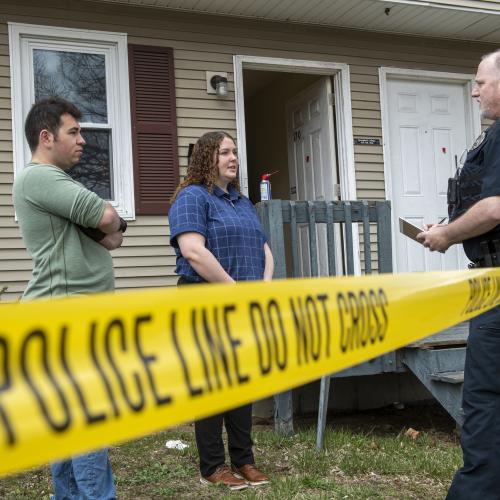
{"x":434,"y":238}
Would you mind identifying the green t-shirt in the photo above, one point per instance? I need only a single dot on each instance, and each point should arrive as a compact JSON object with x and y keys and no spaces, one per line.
{"x":49,"y":204}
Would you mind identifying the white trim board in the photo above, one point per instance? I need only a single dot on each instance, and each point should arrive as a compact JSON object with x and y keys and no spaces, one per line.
{"x":342,"y":91}
{"x":472,"y":126}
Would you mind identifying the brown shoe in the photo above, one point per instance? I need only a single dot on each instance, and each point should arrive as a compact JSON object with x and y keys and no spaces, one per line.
{"x":251,"y":474}
{"x":223,"y":475}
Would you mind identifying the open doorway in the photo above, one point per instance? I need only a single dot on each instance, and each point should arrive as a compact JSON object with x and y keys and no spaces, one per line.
{"x":266,"y":96}
{"x":290,"y":133}
{"x":286,"y":78}
{"x":294,"y":117}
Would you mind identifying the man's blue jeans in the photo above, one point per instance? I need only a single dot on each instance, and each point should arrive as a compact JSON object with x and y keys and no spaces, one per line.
{"x":84,"y":477}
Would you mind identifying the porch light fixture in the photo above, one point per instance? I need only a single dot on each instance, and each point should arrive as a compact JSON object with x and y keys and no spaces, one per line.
{"x":217,"y":83}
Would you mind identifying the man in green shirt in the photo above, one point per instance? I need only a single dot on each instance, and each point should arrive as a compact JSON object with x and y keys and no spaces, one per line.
{"x":68,"y":231}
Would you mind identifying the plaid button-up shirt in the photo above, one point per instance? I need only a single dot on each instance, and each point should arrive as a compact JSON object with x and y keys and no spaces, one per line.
{"x":230,"y":225}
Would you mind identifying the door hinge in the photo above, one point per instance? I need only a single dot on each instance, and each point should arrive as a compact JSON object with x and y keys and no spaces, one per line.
{"x":331,"y":99}
{"x":336,"y":190}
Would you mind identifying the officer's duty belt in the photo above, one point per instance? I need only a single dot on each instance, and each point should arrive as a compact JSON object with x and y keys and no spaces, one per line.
{"x":491,"y":255}
{"x":487,"y":261}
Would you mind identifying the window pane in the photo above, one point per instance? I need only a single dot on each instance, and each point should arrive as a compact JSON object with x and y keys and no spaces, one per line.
{"x":78,"y":77}
{"x":94,"y":168}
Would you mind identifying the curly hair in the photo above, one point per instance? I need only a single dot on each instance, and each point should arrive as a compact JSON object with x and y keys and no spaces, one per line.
{"x":202,"y":169}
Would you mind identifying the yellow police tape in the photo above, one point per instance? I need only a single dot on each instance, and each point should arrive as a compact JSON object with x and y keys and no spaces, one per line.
{"x":83,"y":372}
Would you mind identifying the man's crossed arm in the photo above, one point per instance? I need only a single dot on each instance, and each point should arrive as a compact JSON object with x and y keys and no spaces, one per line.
{"x":109,"y":232}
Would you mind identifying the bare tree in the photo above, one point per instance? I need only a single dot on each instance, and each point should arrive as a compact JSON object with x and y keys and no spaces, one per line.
{"x":81,"y":79}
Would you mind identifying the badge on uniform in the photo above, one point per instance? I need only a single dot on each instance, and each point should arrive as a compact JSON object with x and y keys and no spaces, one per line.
{"x":478,"y":141}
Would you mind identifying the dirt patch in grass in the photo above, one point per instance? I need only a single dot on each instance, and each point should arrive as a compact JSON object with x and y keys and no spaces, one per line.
{"x":429,"y":418}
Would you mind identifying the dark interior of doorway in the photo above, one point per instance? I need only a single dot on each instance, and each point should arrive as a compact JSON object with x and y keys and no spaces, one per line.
{"x":266,"y":94}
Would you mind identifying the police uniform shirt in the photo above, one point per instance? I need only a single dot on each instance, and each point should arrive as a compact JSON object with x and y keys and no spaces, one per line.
{"x":479,"y":179}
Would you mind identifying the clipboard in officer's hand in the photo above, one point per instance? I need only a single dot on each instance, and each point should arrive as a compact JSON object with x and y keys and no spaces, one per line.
{"x":409,"y":229}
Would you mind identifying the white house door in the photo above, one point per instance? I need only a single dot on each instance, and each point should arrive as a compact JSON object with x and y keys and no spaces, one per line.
{"x":311,"y":161}
{"x":426,"y":139}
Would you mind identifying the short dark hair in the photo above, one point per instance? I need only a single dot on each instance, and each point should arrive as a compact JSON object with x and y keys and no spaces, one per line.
{"x":46,"y":114}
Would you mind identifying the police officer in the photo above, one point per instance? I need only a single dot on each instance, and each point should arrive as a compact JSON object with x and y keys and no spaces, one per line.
{"x":475,"y":222}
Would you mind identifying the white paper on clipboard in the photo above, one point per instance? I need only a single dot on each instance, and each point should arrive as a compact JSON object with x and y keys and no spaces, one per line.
{"x":409,"y":229}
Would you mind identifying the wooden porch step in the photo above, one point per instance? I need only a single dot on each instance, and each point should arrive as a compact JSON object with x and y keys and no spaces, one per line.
{"x":455,"y":336}
{"x":448,"y":377}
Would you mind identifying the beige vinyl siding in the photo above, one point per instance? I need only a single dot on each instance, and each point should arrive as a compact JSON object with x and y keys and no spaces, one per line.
{"x":197,"y":111}
{"x":15,"y":264}
{"x":207,"y":43}
{"x":366,"y":121}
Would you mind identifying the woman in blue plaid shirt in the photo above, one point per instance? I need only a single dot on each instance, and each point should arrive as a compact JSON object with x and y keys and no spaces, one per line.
{"x":218,"y":238}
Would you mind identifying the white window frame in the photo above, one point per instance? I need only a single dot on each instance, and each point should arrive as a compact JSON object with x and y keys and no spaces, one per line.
{"x":23,"y":38}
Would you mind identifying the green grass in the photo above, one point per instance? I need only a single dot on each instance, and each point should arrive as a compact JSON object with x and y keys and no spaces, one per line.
{"x":356,"y":464}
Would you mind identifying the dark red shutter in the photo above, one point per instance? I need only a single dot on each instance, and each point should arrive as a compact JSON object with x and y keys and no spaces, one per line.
{"x":154,"y":127}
